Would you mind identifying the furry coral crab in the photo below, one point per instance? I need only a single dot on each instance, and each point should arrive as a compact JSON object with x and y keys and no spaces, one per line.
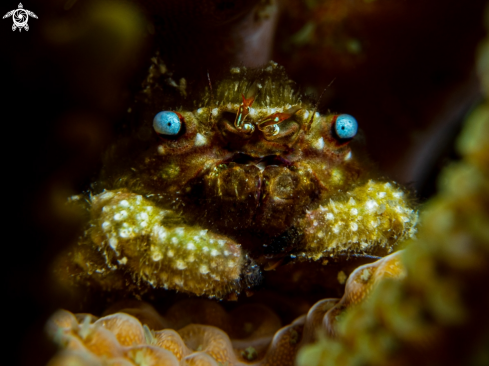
{"x":201,"y":196}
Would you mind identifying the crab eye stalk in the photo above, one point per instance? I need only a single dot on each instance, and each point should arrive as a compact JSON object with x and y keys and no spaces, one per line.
{"x":345,"y":127}
{"x":167,"y":123}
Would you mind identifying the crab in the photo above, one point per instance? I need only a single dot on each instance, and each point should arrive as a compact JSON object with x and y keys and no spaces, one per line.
{"x":252,"y":176}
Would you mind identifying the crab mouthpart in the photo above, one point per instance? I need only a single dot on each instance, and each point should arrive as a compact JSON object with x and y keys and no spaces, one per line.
{"x":261,"y":161}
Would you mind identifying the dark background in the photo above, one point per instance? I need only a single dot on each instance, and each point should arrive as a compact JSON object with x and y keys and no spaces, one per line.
{"x":403,"y":68}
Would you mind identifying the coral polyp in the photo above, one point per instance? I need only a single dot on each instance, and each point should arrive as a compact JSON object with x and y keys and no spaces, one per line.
{"x":192,"y":205}
{"x":201,"y":332}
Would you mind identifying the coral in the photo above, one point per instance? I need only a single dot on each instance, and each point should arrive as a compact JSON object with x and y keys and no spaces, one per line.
{"x":436,"y":313}
{"x":254,"y":162}
{"x":201,"y":332}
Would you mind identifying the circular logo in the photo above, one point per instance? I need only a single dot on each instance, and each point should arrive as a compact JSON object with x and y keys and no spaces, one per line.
{"x":20,"y":18}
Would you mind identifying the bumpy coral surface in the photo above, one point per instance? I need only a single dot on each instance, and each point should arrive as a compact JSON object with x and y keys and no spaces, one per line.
{"x":250,"y":172}
{"x":437,"y":313}
{"x":201,"y":332}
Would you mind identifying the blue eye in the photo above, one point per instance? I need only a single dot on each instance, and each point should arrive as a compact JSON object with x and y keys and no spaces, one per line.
{"x":167,"y":123}
{"x":346,"y":126}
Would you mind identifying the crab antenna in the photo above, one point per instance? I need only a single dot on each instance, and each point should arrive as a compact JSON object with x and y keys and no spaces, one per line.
{"x":212,"y":97}
{"x":309,"y":124}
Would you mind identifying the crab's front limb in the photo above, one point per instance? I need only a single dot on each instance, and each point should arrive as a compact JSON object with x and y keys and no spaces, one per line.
{"x":371,"y":218}
{"x":131,"y":235}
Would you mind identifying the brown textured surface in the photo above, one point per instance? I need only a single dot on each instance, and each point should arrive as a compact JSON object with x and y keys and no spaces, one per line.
{"x":217,"y":33}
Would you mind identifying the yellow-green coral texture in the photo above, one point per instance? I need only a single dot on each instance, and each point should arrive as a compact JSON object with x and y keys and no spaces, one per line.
{"x":437,"y":314}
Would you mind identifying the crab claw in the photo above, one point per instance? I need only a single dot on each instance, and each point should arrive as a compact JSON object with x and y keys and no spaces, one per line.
{"x":133,"y":240}
{"x":372,"y":218}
